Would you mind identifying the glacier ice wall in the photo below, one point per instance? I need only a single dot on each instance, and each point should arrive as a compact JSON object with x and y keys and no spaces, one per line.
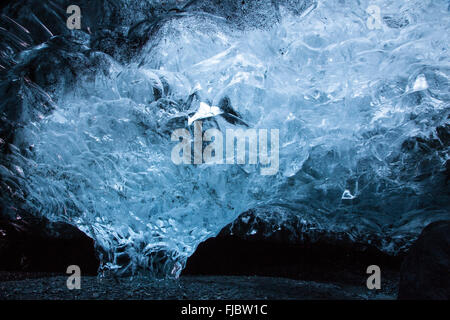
{"x":362,"y":113}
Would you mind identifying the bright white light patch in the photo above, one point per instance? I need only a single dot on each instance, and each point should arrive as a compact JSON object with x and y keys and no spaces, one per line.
{"x":204,"y":111}
{"x":420,"y":83}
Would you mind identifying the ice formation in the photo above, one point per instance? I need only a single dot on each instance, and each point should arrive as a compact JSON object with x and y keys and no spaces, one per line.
{"x":362,"y":113}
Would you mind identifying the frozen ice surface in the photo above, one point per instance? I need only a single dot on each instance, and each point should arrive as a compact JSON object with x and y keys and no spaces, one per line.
{"x":363,"y":119}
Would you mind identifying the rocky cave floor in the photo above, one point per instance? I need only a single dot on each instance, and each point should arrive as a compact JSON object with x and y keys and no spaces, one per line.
{"x":18,"y":286}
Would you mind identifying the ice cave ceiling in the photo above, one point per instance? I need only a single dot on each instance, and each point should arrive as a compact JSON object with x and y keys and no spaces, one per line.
{"x":87,"y":116}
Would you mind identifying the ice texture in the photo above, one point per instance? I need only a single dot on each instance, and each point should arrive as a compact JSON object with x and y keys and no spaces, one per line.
{"x":363,"y":116}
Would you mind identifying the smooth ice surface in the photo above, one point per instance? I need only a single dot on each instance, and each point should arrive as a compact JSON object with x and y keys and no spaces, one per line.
{"x":350,"y":103}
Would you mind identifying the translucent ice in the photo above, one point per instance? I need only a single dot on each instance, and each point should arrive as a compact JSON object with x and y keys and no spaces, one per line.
{"x":362,"y":113}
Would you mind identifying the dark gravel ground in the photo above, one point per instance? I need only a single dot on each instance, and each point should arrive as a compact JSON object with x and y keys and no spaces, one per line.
{"x":13,"y":287}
